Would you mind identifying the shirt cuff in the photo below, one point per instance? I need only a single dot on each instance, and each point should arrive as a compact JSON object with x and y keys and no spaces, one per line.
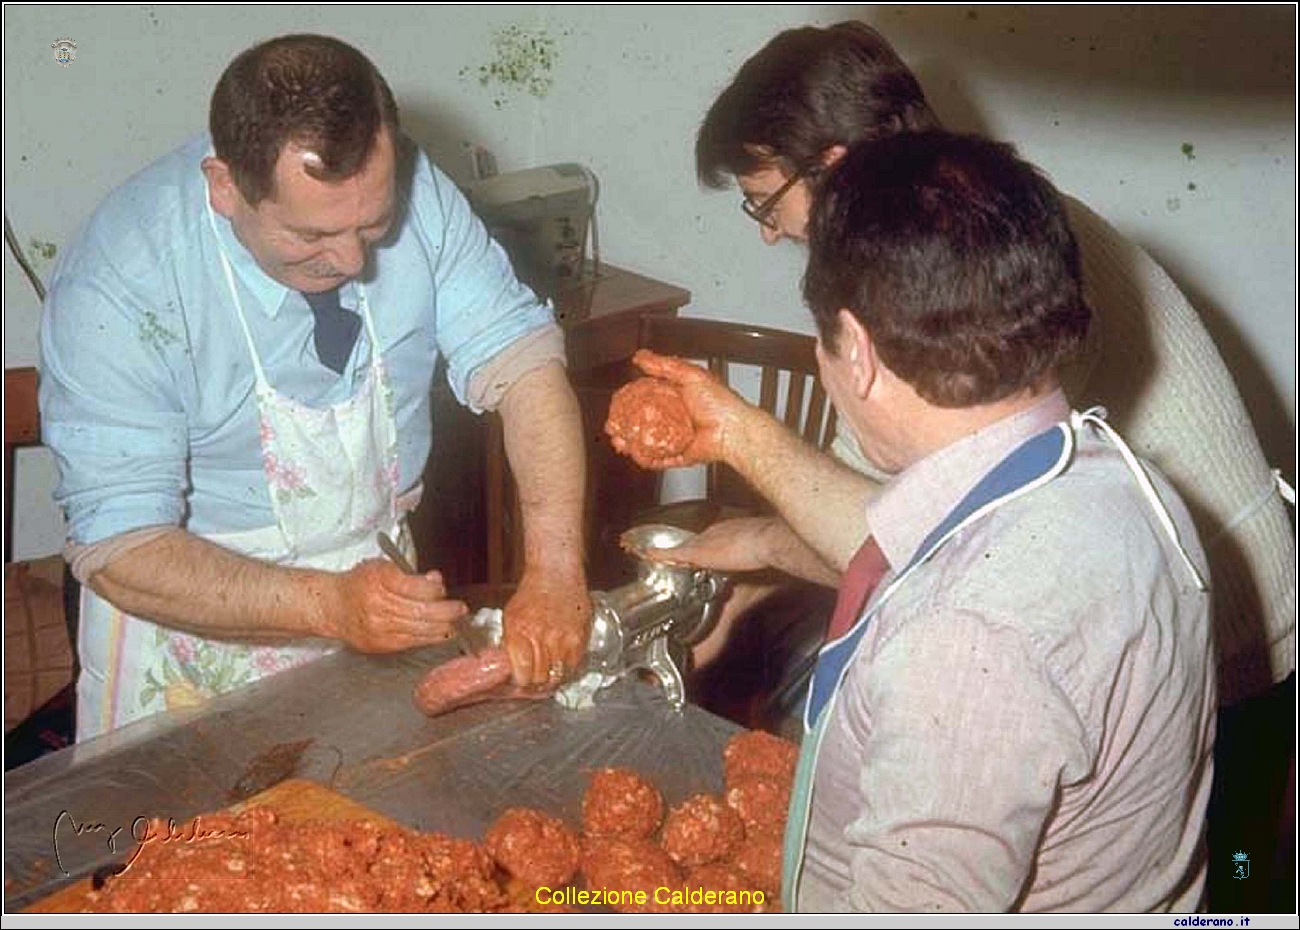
{"x":494,"y":378}
{"x":86,"y":560}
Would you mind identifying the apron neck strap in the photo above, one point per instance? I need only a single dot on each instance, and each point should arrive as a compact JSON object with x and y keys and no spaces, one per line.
{"x":1097,"y":417}
{"x":262,"y":381}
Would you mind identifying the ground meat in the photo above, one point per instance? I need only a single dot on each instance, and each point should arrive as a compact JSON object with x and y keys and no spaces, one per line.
{"x":253,"y":862}
{"x":650,"y":417}
{"x":625,"y":867}
{"x":759,"y":860}
{"x":755,"y":753}
{"x":700,"y":830}
{"x":761,"y":803}
{"x":535,"y":848}
{"x":619,"y":802}
{"x":732,"y":892}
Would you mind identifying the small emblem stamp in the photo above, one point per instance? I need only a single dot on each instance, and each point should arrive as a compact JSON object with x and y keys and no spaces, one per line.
{"x":65,"y":50}
{"x":1242,"y":862}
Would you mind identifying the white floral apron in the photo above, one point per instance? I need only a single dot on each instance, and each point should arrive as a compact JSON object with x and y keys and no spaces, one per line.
{"x":332,"y":475}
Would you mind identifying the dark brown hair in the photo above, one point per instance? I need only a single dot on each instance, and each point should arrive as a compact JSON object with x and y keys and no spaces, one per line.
{"x":804,"y":92}
{"x":957,"y":258}
{"x":313,"y":91}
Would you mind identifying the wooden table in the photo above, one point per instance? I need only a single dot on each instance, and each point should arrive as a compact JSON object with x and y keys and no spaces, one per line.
{"x":468,"y":524}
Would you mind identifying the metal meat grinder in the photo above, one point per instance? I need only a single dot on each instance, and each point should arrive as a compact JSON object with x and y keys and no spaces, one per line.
{"x":649,"y":623}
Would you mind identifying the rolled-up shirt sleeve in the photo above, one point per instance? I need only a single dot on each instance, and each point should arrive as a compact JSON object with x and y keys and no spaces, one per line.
{"x":110,"y":410}
{"x":482,"y":307}
{"x":494,"y":379}
{"x":969,"y":740}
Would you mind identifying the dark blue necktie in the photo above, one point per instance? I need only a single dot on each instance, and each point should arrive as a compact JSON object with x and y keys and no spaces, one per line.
{"x":336,"y":329}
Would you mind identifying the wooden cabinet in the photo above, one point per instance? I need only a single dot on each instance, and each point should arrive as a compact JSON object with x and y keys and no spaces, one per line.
{"x":468,"y":525}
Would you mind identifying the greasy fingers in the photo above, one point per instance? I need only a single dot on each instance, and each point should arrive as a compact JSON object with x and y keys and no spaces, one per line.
{"x":668,"y":367}
{"x":380,"y":609}
{"x":546,"y":625}
{"x":738,"y":545}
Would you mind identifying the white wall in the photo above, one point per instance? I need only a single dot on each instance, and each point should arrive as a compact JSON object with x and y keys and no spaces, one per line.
{"x":1102,"y":98}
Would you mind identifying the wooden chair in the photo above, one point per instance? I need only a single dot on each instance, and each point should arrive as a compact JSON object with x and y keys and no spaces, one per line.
{"x":22,"y":428}
{"x":780,"y":356}
{"x":789,"y":390}
{"x":41,"y":595}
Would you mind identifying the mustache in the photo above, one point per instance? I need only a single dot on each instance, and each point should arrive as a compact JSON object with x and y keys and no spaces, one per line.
{"x":322,"y":271}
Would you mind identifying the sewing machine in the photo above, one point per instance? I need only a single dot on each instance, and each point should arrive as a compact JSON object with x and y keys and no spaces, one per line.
{"x":541,"y":217}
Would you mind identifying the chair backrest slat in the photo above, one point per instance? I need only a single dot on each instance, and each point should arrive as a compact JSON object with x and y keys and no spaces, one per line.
{"x":815,"y":431}
{"x":794,"y":402}
{"x":768,"y":389}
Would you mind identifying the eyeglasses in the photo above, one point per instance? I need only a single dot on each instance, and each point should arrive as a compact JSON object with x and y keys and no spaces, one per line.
{"x":762,"y":213}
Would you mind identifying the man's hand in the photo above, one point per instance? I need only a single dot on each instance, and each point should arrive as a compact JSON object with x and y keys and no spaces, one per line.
{"x":382,"y":609}
{"x":736,"y":546}
{"x":548,"y":620}
{"x":739,"y":545}
{"x":547,"y":624}
{"x":820,"y":500}
{"x":717,"y":412}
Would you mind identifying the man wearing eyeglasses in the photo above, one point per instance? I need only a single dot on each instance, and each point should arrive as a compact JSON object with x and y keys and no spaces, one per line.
{"x":790,"y":112}
{"x":785,"y":208}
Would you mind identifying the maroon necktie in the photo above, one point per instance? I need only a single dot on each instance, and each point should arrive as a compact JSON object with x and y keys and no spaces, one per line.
{"x":865,"y":570}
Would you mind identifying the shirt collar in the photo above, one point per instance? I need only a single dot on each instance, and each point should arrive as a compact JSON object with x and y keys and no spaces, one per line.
{"x":269,"y":292}
{"x":916,"y":500}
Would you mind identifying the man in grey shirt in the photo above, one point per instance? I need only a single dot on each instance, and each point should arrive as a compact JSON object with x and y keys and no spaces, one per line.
{"x":1014,"y":708}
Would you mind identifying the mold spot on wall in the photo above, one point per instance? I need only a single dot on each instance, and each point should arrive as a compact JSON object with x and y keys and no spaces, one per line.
{"x":1173,"y":204}
{"x":1189,"y":150}
{"x":523,"y":59}
{"x":43,"y":250}
{"x":1191,"y":185}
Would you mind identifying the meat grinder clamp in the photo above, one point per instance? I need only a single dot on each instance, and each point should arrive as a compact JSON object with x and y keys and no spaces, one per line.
{"x":649,"y":623}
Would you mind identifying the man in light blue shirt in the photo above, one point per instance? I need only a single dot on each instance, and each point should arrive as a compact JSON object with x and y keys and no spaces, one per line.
{"x":222,"y":482}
